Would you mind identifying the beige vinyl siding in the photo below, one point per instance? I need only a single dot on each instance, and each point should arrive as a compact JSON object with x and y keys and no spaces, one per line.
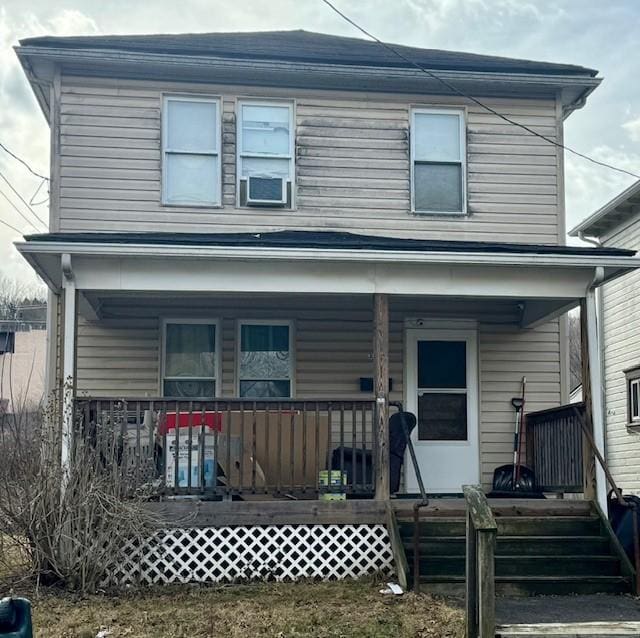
{"x":119,"y":356}
{"x":352,"y":165}
{"x":621,"y":301}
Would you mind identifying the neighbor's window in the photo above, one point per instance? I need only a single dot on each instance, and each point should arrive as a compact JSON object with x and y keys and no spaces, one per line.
{"x":7,"y":341}
{"x":191,"y":151}
{"x":633,"y":395}
{"x":265,"y":153}
{"x":265,"y":361}
{"x":438,"y":161}
{"x":189,"y":362}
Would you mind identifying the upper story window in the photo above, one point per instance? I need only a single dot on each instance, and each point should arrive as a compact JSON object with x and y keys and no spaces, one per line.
{"x":438,"y":161}
{"x":191,"y":151}
{"x":265,"y":153}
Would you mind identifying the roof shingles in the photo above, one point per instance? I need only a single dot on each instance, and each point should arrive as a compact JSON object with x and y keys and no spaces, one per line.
{"x":305,"y":46}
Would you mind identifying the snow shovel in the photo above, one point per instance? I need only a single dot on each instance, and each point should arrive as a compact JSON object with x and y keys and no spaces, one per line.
{"x":518,"y":405}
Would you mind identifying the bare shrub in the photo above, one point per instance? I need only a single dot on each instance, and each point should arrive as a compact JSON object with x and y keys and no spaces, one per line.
{"x":66,"y":524}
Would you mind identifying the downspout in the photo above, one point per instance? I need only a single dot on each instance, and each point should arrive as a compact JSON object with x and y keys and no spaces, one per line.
{"x":594,"y":313}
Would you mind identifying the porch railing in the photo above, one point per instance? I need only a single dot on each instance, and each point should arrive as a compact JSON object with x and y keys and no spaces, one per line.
{"x":555,"y":444}
{"x":225,"y":448}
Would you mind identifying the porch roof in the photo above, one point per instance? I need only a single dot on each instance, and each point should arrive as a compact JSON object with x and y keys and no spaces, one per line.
{"x":323,"y":240}
{"x":545,"y":280}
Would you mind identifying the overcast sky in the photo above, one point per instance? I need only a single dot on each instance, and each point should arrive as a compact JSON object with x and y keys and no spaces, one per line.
{"x":594,"y":33}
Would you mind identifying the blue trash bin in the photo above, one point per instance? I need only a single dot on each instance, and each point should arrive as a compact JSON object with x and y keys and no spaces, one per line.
{"x":15,"y":618}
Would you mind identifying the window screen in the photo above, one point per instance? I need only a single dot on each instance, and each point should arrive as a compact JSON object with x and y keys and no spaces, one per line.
{"x":191,"y":151}
{"x":438,"y":148}
{"x":190,"y":360}
{"x":265,"y":361}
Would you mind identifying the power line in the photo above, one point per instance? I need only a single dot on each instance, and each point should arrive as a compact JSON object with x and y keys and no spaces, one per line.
{"x":10,"y":226}
{"x":23,"y":200}
{"x":456,"y":90}
{"x":15,"y":157}
{"x":19,"y":211}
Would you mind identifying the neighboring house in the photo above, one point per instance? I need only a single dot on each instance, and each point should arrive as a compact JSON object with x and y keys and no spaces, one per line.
{"x":272,"y":236}
{"x":618,"y":224}
{"x":22,"y":366}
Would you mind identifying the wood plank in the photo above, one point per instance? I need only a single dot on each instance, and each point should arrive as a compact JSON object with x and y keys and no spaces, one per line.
{"x":573,"y":630}
{"x":397,"y":546}
{"x":192,"y":513}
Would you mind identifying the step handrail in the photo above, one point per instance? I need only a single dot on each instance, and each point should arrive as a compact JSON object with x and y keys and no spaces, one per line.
{"x":423,"y":502}
{"x":618,"y":493}
{"x":480,"y":564}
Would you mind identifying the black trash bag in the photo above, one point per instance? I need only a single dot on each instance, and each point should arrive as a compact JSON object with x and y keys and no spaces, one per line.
{"x":503,"y":479}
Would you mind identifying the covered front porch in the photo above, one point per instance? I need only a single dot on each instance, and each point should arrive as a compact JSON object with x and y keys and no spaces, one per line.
{"x":308,"y":351}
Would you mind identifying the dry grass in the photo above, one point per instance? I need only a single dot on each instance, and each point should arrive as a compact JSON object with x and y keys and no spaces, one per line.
{"x":346,"y":610}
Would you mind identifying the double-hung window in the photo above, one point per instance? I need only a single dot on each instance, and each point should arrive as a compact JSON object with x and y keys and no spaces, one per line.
{"x":633,"y":395}
{"x":265,"y":359}
{"x":438,"y":161}
{"x":265,"y":153}
{"x":191,"y":174}
{"x":190,"y":358}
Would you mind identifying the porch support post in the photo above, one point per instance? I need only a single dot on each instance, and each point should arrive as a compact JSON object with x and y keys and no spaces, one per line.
{"x":68,"y":359}
{"x":593,"y":398}
{"x":381,"y":386}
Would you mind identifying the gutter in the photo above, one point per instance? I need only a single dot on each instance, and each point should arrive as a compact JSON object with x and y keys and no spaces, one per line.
{"x":253,"y":253}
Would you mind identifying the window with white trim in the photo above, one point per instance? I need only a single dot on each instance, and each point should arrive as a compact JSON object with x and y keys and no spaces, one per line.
{"x":265,"y":153}
{"x":191,"y":174}
{"x":634,"y":400}
{"x":265,"y":361}
{"x":190,"y":358}
{"x":438,"y":161}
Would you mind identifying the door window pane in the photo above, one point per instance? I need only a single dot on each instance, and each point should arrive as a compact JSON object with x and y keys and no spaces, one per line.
{"x":191,"y":126}
{"x":437,"y":137}
{"x":442,"y":364}
{"x":442,"y":417}
{"x":438,"y":187}
{"x":191,"y":179}
{"x":190,"y":350}
{"x":265,"y":129}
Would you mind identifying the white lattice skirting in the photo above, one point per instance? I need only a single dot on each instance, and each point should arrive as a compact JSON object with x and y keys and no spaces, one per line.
{"x":266,"y":552}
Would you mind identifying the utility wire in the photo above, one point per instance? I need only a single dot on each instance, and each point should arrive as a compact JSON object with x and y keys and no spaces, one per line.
{"x":10,"y":226}
{"x":456,"y":90}
{"x":33,"y":212}
{"x":15,"y":157}
{"x":19,"y":212}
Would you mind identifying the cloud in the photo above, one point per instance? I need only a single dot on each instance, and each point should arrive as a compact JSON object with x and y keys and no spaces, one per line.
{"x":633,"y":128}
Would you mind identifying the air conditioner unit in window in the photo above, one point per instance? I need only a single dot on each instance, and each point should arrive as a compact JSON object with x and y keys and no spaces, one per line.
{"x":266,"y":190}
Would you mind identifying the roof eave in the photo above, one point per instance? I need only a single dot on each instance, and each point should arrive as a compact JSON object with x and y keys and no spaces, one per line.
{"x":573,"y":88}
{"x":591,"y":225}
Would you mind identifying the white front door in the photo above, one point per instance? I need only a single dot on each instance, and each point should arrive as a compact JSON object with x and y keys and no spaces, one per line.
{"x":442,"y":391}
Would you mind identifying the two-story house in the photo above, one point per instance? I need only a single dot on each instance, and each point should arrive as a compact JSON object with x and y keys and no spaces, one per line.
{"x":260,"y":242}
